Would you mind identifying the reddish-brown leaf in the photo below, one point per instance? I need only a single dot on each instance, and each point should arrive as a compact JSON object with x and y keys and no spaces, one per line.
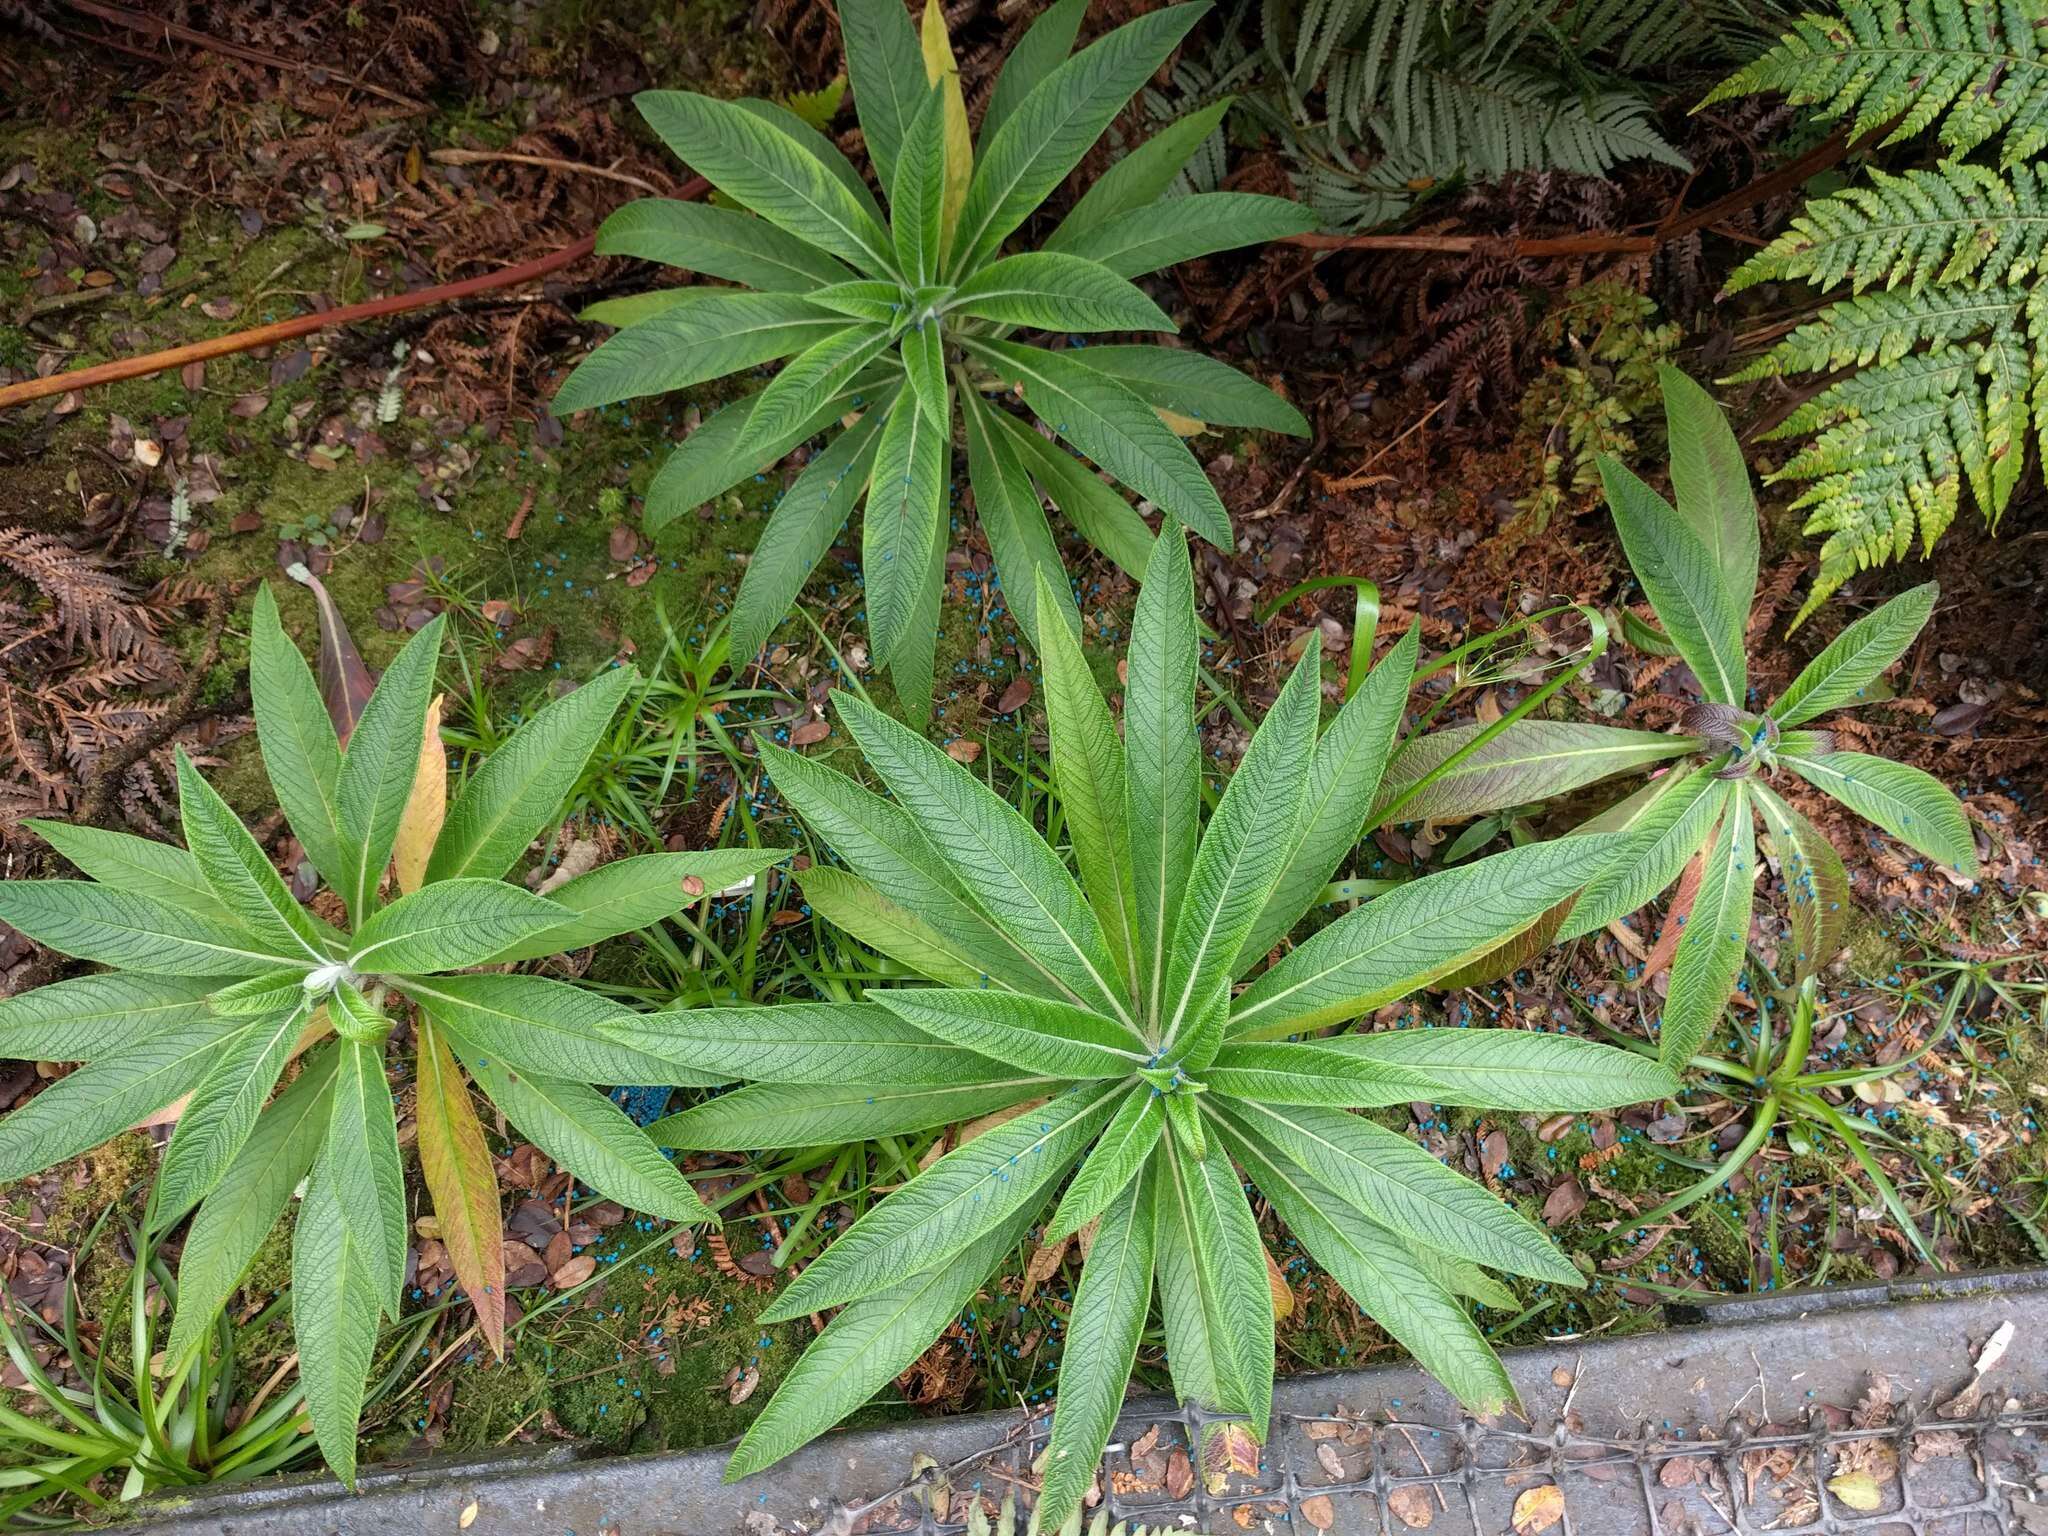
{"x":345,"y":682}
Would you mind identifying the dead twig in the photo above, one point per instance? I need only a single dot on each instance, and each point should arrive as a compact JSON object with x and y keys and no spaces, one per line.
{"x":306,"y":325}
{"x":545,"y":162}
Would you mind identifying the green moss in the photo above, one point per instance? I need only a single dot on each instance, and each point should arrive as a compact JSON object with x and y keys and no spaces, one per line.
{"x":639,"y":1362}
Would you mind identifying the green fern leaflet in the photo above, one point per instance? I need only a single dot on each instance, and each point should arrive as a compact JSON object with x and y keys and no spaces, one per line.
{"x":1946,"y":319}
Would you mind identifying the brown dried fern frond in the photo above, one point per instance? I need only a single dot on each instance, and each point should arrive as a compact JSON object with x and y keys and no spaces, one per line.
{"x":93,"y":605}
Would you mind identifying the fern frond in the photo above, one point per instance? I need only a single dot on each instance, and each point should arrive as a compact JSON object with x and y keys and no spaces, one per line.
{"x":1955,"y":224}
{"x":1881,"y":328}
{"x":1978,"y":68}
{"x":1481,"y":124}
{"x":1894,"y":446}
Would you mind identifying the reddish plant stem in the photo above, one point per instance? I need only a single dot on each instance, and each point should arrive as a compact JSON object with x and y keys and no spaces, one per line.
{"x":306,"y":325}
{"x":1815,"y":160}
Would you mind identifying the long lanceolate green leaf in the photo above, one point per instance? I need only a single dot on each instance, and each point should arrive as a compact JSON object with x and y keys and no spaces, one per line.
{"x":1685,"y":582}
{"x":1716,"y":937}
{"x":1179,"y":229}
{"x":1379,"y":1272}
{"x":1114,"y":427}
{"x":637,"y":892}
{"x":1057,"y":1039}
{"x":719,"y":242}
{"x":1165,"y":764}
{"x":361,"y":1161}
{"x":712,"y":333}
{"x":1027,"y":559}
{"x":917,"y":192}
{"x":1088,"y":768}
{"x":763,"y":167}
{"x":856,"y":908}
{"x":1400,"y":1186}
{"x":233,"y":1220}
{"x":711,"y":461}
{"x":1045,"y":43}
{"x":1200,"y":1350}
{"x":382,"y":760}
{"x":1343,"y":778}
{"x":223,"y":1109}
{"x":1515,"y":1069}
{"x":1098,"y":512}
{"x":1055,"y":125}
{"x":818,"y":374}
{"x":1191,"y":383}
{"x":821,"y":149}
{"x":867,"y":1345}
{"x":803,"y":1043}
{"x":88,"y":1017}
{"x":1667,"y":824}
{"x":994,"y":853}
{"x":884,"y":846}
{"x":1915,"y":807}
{"x":803,"y":526}
{"x":105,"y":1097}
{"x":1051,"y":291}
{"x":1856,"y":658}
{"x":587,"y":1134}
{"x":138,"y":865}
{"x":1110,"y":1309}
{"x":1530,"y":760}
{"x":963,"y":1196}
{"x":768,"y":1116}
{"x":1710,"y":482}
{"x":335,"y":1302}
{"x":449,"y":924}
{"x":519,"y":790}
{"x":1115,"y":1160}
{"x":905,"y":522}
{"x":1144,"y":176}
{"x":887,"y":73}
{"x":1241,"y":854}
{"x":300,"y":752}
{"x":1299,"y":1073}
{"x":1401,"y":942}
{"x":1816,"y":883}
{"x":135,"y":933}
{"x":533,"y":1024}
{"x":238,"y":871}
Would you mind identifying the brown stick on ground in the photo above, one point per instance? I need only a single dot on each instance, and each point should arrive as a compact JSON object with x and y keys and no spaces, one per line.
{"x":306,"y":325}
{"x":289,"y":330}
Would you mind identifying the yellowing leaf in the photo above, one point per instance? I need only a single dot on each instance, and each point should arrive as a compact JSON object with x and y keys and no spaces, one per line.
{"x":457,"y":1166}
{"x":1858,"y":1490}
{"x":1538,"y":1509}
{"x":939,"y":65}
{"x":1283,"y":1293}
{"x":425,"y":808}
{"x":1182,"y":426}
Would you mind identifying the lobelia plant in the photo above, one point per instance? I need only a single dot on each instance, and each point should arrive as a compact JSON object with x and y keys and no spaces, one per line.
{"x":1091,"y":1027}
{"x":218,"y":978}
{"x":1696,"y":562}
{"x":899,"y":328}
